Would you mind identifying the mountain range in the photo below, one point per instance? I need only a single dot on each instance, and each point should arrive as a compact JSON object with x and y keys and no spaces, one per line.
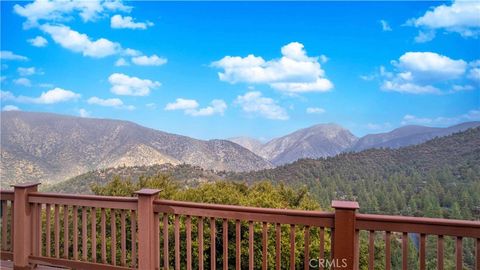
{"x":50,"y":148}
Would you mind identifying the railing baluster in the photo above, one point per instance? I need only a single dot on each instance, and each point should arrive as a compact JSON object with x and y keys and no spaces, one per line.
{"x":165,"y":242}
{"x":188,"y":225}
{"x":177,"y":242}
{"x":440,"y":252}
{"x":264,"y":245}
{"x":250,"y":245}
{"x":388,"y":254}
{"x":4,"y":225}
{"x":225,"y":244}
{"x":156,"y":233}
{"x":322,"y":246}
{"x":34,"y":222}
{"x":84,"y":234}
{"x":123,"y":239}
{"x":356,"y":254}
{"x":12,"y":227}
{"x":459,"y":253}
{"x":133,"y":227}
{"x":422,"y":251}
{"x":405,"y":251}
{"x":103,"y":228}
{"x":477,"y":252}
{"x":65,"y":231}
{"x":307,"y":248}
{"x":213,"y":259}
{"x":113,"y":230}
{"x":94,"y":233}
{"x":48,"y":230}
{"x":292,"y":247}
{"x":56,"y":230}
{"x":200,"y":243}
{"x":75,"y":232}
{"x":238,"y":239}
{"x":371,"y":250}
{"x":38,"y":241}
{"x":278,"y":245}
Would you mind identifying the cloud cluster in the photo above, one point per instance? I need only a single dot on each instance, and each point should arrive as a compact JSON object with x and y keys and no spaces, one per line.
{"x":460,"y":17}
{"x":109,"y":102}
{"x":8,"y":55}
{"x":254,"y":103}
{"x":28,"y":71}
{"x":23,"y":82}
{"x":294,"y":72}
{"x":52,"y":96}
{"x":127,"y":22}
{"x":131,"y":86}
{"x":8,"y":108}
{"x":315,"y":110}
{"x":61,"y":10}
{"x":38,"y":41}
{"x":385,"y":26}
{"x":472,"y":115}
{"x":191,"y":107}
{"x":425,"y":73}
{"x":153,"y":60}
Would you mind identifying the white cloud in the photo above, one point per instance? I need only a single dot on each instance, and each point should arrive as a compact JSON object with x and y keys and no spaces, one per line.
{"x":384,"y":126}
{"x":109,"y":102}
{"x":254,"y":103}
{"x":61,"y":10}
{"x":8,"y":55}
{"x":45,"y":85}
{"x":28,"y":71}
{"x":460,"y":17}
{"x":7,"y":108}
{"x":83,"y":113}
{"x":153,"y":60}
{"x":182,"y":104}
{"x":294,"y":72}
{"x":119,"y":22}
{"x":131,"y":86}
{"x":472,"y":115}
{"x":38,"y":41}
{"x":131,"y":52}
{"x":121,"y":62}
{"x":315,"y":110}
{"x":474,"y":72}
{"x":425,"y":36}
{"x":23,"y":82}
{"x":55,"y":95}
{"x":190,"y":107}
{"x":385,"y":26}
{"x":423,"y":73}
{"x":81,"y":43}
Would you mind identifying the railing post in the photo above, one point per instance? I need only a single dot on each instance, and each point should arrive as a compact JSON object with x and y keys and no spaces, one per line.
{"x":146,"y":239}
{"x":22,"y":222}
{"x":344,"y":235}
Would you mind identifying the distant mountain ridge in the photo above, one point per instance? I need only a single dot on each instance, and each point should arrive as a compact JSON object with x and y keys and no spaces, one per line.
{"x":49,"y":148}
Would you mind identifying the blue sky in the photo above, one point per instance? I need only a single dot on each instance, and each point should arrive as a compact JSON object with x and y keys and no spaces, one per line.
{"x":259,"y":69}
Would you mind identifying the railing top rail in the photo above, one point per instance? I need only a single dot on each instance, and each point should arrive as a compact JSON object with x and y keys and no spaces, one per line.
{"x":237,"y":208}
{"x":6,"y":195}
{"x":114,"y":202}
{"x":418,"y":220}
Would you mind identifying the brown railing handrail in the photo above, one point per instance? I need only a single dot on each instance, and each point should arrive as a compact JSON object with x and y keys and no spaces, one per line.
{"x":6,"y":195}
{"x":250,"y":209}
{"x":419,"y":220}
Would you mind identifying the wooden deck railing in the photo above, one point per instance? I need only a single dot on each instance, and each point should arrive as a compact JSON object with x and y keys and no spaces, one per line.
{"x":101,"y":232}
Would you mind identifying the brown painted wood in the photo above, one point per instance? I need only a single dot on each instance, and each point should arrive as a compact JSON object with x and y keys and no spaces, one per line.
{"x":4,"y":224}
{"x":93,"y":221}
{"x":225,"y":244}
{"x":405,"y":251}
{"x":127,"y":203}
{"x":278,"y":246}
{"x":66,"y":226}
{"x":123,"y":239}
{"x":422,"y":255}
{"x":84,"y":234}
{"x":188,"y":225}
{"x":343,"y":234}
{"x":48,"y":230}
{"x":12,"y":227}
{"x":371,"y":250}
{"x":458,"y":253}
{"x":250,"y":245}
{"x":63,"y":263}
{"x":75,"y":232}
{"x":264,"y":245}
{"x":213,"y":258}
{"x":133,"y":226}
{"x":306,"y":248}
{"x":388,"y":253}
{"x":356,"y":263}
{"x":34,"y":229}
{"x":56,"y":230}
{"x":321,"y":254}
{"x":103,"y":228}
{"x":477,"y":264}
{"x":238,"y":248}
{"x":440,"y":263}
{"x":292,"y":247}
{"x":156,"y":234}
{"x":113,"y":237}
{"x":200,"y":243}
{"x":177,"y":242}
{"x":165,"y":242}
